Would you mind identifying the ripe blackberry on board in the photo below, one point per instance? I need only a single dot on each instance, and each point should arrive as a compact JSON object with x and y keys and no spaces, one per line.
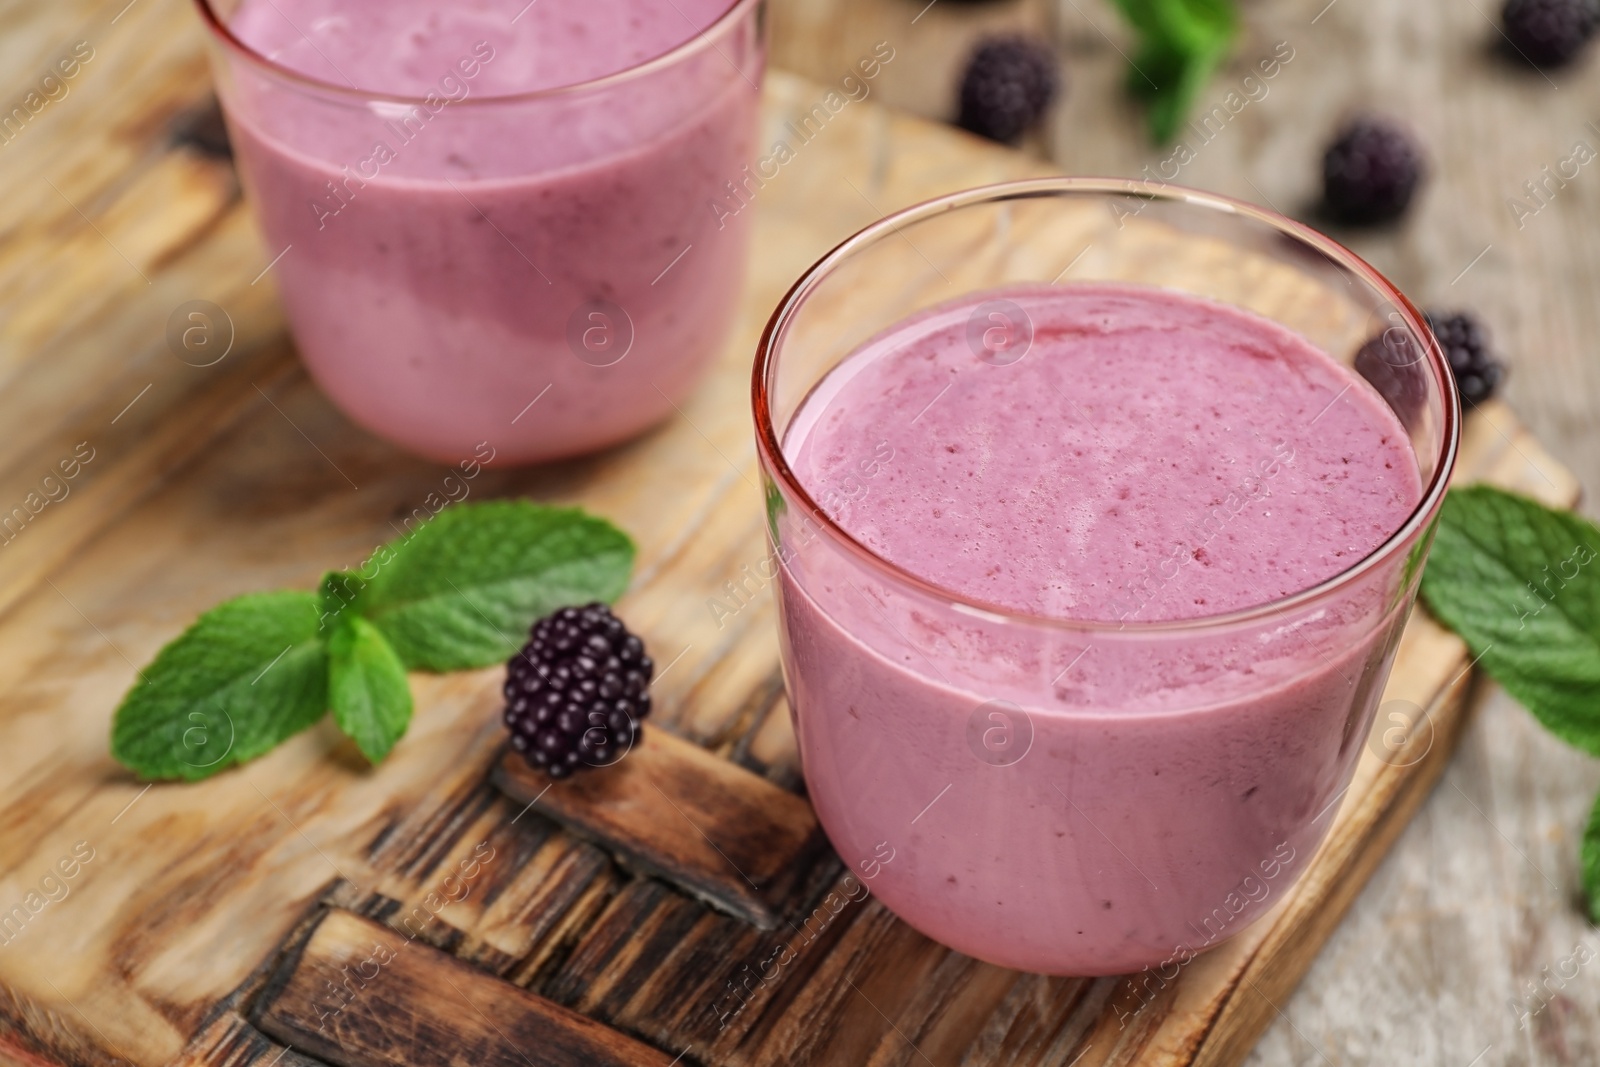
{"x":577,"y":692}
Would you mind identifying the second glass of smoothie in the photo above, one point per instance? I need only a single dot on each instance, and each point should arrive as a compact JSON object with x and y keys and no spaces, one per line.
{"x":1094,"y":553}
{"x":495,"y":221}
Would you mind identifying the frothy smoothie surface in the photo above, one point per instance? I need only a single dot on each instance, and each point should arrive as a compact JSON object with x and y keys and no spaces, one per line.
{"x":1151,"y":456}
{"x":404,"y":46}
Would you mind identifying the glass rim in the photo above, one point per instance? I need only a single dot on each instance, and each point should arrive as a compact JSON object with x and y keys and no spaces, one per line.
{"x":699,"y":42}
{"x":769,"y":448}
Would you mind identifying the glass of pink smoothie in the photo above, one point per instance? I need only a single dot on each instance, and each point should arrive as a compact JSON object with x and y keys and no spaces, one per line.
{"x":497,"y":221}
{"x":1094,"y":547}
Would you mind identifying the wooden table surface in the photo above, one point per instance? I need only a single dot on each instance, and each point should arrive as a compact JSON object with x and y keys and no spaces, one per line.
{"x":1479,"y":898}
{"x":1481,"y":894}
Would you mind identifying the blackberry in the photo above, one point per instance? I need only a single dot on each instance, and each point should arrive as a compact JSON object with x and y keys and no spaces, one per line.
{"x":1370,"y":171}
{"x":1008,"y":84}
{"x":1466,"y":345}
{"x":577,"y":691}
{"x":1548,"y":33}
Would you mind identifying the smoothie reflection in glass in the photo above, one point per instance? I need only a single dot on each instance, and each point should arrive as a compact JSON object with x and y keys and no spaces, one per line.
{"x":1095,"y":550}
{"x":492,"y":220}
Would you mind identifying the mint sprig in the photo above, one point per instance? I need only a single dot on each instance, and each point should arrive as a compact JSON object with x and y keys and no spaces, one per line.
{"x":455,"y":593}
{"x":1181,"y":43}
{"x":1520,"y":583}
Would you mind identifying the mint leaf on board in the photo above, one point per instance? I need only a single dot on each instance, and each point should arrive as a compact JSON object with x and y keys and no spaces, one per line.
{"x":248,"y":674}
{"x":367,"y":688}
{"x":1181,"y":43}
{"x":1515,"y":579}
{"x":461,"y":590}
{"x":1590,"y":857}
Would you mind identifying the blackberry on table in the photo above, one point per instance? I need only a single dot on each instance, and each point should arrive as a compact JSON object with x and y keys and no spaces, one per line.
{"x":577,"y":692}
{"x":1370,"y":171}
{"x":1465,"y":342}
{"x":1008,"y":84}
{"x":1548,"y":33}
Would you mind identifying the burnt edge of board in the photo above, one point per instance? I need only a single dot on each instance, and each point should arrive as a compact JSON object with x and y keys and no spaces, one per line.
{"x":673,"y":811}
{"x":422,"y":989}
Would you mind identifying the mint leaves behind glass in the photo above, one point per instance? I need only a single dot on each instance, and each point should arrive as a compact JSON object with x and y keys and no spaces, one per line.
{"x":1516,"y":580}
{"x":1520,"y":583}
{"x":1181,"y":42}
{"x":455,"y":593}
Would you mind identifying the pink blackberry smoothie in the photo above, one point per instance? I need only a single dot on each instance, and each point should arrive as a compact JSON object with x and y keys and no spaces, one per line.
{"x":1104,"y":799}
{"x":479,"y":241}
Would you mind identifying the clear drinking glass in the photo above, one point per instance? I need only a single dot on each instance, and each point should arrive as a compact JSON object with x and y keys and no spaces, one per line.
{"x":1077,"y":797}
{"x":547,"y":272}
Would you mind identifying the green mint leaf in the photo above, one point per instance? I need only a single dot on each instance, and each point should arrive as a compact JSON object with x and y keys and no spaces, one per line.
{"x":367,"y":687}
{"x":1181,"y":44}
{"x":248,"y":674}
{"x":461,"y":590}
{"x":1591,"y":862}
{"x":1516,"y":580}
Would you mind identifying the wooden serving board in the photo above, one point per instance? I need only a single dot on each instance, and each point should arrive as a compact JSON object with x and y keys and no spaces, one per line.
{"x":307,"y":909}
